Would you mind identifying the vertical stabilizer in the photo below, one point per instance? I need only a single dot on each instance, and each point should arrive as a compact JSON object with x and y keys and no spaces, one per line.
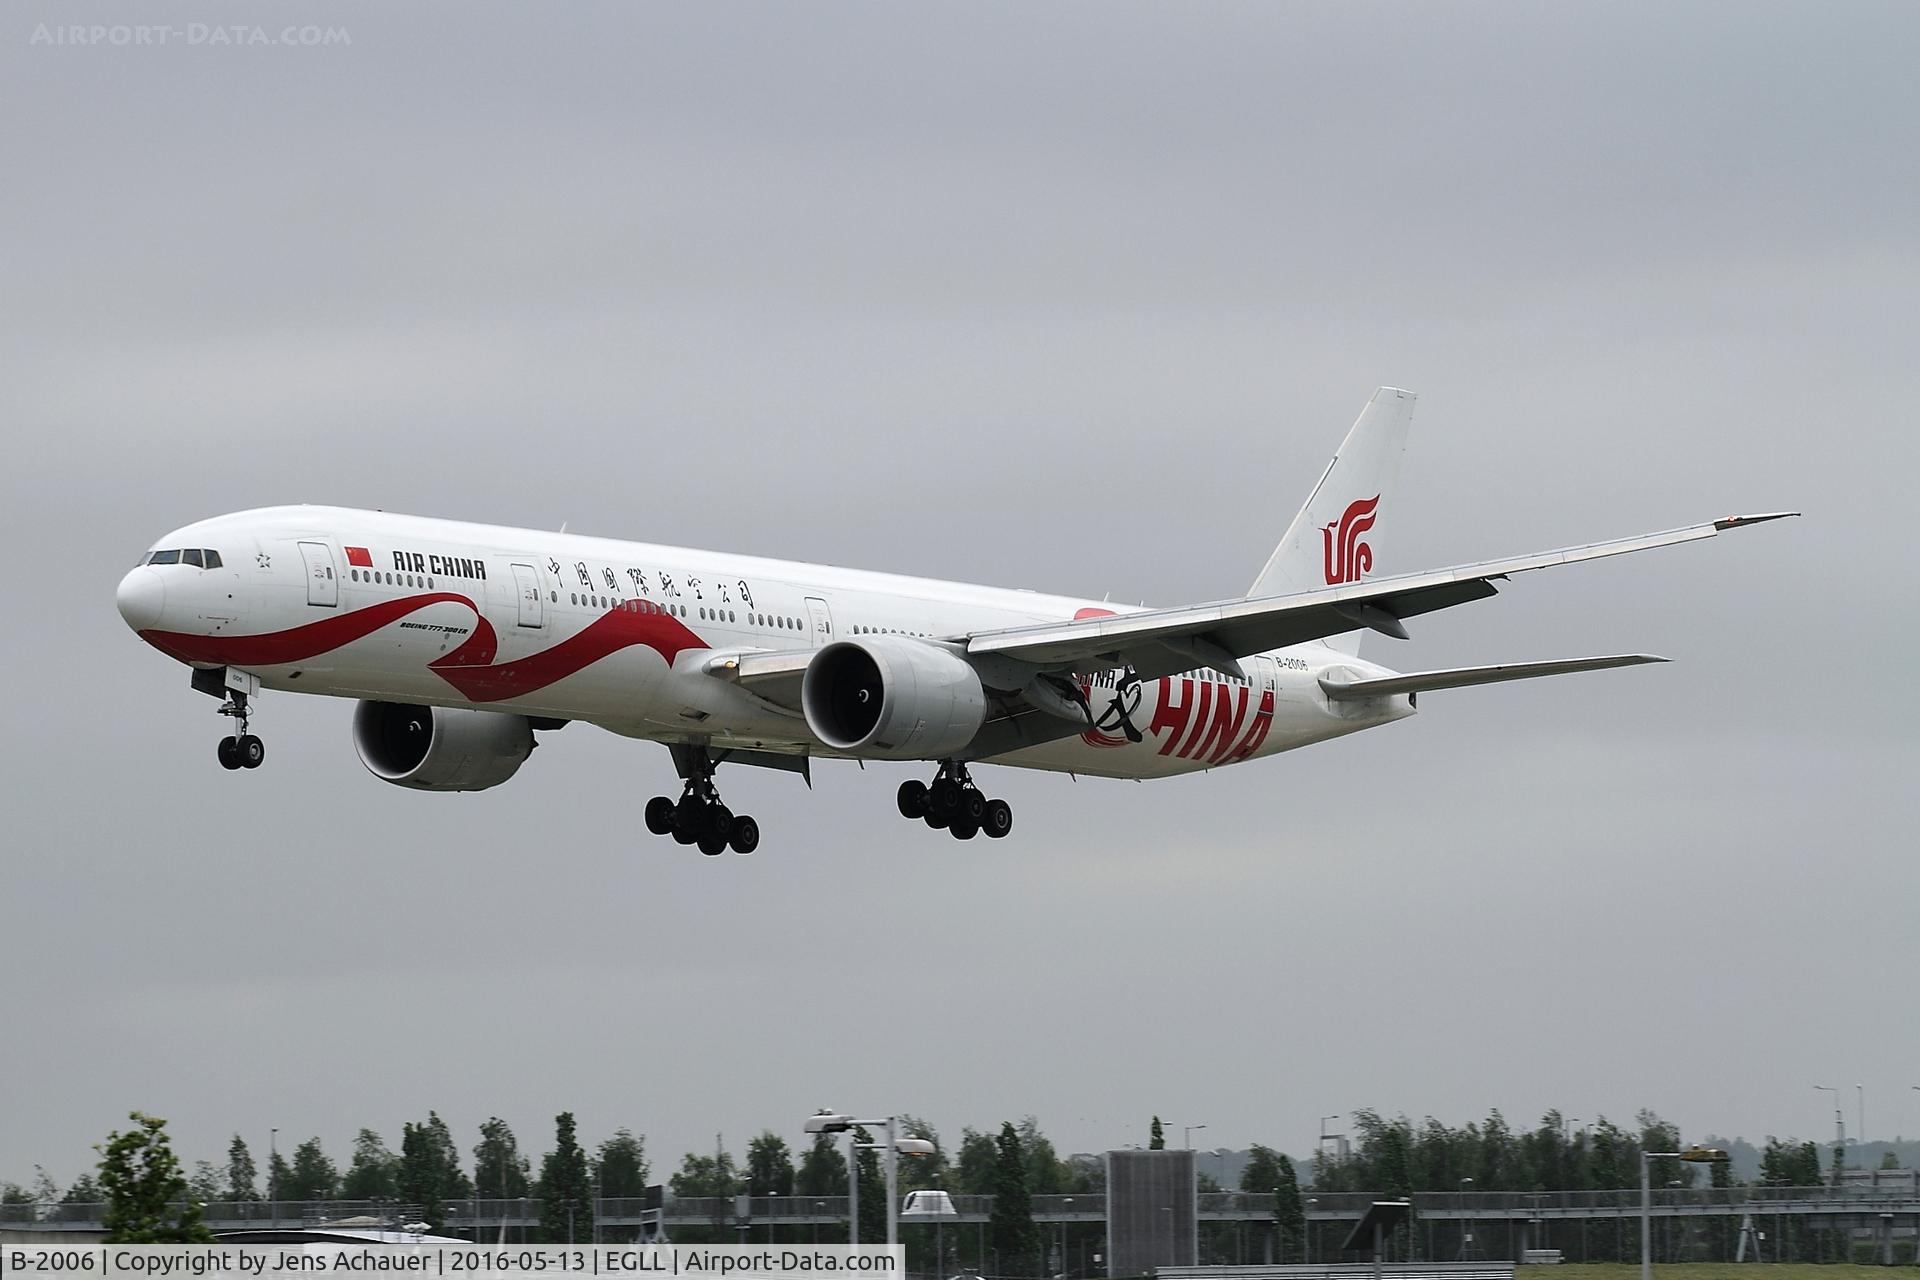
{"x":1334,"y":538}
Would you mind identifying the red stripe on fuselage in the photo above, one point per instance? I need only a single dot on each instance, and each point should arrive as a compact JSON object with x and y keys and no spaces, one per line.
{"x":470,"y":669}
{"x":609,"y":633}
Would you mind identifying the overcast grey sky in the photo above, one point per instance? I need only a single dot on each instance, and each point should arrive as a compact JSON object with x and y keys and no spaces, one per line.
{"x":1077,"y":297}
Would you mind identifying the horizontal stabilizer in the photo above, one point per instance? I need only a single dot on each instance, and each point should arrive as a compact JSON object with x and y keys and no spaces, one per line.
{"x":1460,"y":677}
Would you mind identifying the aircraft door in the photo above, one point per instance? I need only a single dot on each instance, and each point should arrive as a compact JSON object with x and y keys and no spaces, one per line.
{"x":820,"y":622}
{"x":527,"y":583}
{"x":323,"y":587}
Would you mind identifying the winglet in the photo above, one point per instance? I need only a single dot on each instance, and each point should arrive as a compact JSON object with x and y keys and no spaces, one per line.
{"x":1735,"y":522}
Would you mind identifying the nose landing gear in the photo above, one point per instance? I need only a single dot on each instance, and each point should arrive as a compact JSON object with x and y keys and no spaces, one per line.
{"x":242,"y":750}
{"x":953,"y":803}
{"x":699,"y":817}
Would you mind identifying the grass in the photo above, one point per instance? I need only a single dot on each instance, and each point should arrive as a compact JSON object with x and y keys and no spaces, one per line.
{"x":1718,"y":1271}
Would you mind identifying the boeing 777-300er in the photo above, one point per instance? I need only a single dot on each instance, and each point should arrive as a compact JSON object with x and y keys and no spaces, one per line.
{"x":462,"y":641}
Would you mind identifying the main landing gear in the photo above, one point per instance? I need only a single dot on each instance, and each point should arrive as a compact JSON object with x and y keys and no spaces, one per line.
{"x":953,"y":802}
{"x":699,"y":817}
{"x":242,"y":750}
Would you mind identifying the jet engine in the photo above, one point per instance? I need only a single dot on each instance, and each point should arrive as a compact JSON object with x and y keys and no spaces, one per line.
{"x":438,"y":748}
{"x":892,"y":698}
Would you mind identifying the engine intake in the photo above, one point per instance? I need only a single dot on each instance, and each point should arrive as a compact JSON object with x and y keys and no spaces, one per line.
{"x":440,"y":748}
{"x":892,"y":698}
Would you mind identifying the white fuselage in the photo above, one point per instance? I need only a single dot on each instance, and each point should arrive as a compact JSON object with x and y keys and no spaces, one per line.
{"x":556,"y":626}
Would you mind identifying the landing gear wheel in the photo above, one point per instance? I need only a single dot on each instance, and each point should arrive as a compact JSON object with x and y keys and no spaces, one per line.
{"x":712,"y":845}
{"x":964,"y":829}
{"x":746,"y":834}
{"x":973,"y":807}
{"x":913,"y":799}
{"x":938,"y":821}
{"x":688,"y":821}
{"x":944,"y":797}
{"x":229,"y":753}
{"x":719,"y":823}
{"x":252,"y":751}
{"x":660,"y":815}
{"x":998,"y":819}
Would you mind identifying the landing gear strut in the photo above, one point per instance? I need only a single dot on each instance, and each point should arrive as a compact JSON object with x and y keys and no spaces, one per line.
{"x":699,"y":817}
{"x":242,"y":750}
{"x":952,"y":802}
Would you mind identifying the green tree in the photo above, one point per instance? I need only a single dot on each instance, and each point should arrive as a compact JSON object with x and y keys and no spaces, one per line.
{"x":498,"y":1167}
{"x":1011,"y":1224}
{"x":85,"y":1190}
{"x":312,"y":1176}
{"x":566,"y":1199}
{"x":1289,"y":1214}
{"x":973,"y":1170}
{"x":872,"y":1189}
{"x":1260,"y":1175}
{"x":14,"y":1193}
{"x":1156,"y":1136}
{"x":823,"y":1170}
{"x":279,"y":1174}
{"x":565,"y":1196}
{"x":417,"y":1176}
{"x":621,"y":1166}
{"x":769,"y":1166}
{"x":242,"y":1177}
{"x":714,"y":1176}
{"x":374,"y":1173}
{"x":1046,"y":1176}
{"x":141,"y":1178}
{"x":454,"y":1184}
{"x":203,"y":1186}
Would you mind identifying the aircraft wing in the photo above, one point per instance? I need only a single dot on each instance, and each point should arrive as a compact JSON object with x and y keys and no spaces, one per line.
{"x":1161,"y":642}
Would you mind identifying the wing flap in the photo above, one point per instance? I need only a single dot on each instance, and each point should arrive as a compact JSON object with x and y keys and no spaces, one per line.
{"x":1462,"y":677}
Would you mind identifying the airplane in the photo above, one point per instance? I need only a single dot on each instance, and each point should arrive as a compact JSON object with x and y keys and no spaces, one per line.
{"x":461,"y":642}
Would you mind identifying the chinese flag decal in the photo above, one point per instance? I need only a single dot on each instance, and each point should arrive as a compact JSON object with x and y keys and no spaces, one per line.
{"x":358,"y":556}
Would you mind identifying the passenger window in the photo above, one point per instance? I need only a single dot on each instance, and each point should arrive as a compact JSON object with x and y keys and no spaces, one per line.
{"x":213,"y":559}
{"x":165,"y":557}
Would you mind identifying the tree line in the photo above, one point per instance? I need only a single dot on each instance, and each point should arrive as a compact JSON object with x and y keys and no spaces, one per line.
{"x":1393,"y":1156}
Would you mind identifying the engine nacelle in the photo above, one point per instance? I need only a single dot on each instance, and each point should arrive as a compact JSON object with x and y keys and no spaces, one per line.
{"x":892,"y":698}
{"x":440,"y":748}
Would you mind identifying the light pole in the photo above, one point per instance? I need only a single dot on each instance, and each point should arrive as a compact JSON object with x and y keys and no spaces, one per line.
{"x":1695,"y":1154}
{"x":1839,"y":1131}
{"x":1306,"y":1228}
{"x":1466,"y":1237}
{"x":1066,"y":1210}
{"x":1186,"y":1134}
{"x":273,"y":1178}
{"x":893,"y":1148}
{"x":1860,"y":1134}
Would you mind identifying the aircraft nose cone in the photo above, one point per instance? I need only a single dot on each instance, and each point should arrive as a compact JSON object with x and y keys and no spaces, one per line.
{"x":142,"y":595}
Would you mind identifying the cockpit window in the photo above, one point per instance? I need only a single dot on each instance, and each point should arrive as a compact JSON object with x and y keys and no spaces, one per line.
{"x":164,"y":557}
{"x":213,"y":559}
{"x":193,"y":557}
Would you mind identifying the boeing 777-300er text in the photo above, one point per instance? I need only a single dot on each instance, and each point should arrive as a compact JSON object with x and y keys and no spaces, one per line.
{"x":462,"y":641}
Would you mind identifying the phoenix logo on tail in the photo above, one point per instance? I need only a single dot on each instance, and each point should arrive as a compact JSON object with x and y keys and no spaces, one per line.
{"x":1346,"y":556}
